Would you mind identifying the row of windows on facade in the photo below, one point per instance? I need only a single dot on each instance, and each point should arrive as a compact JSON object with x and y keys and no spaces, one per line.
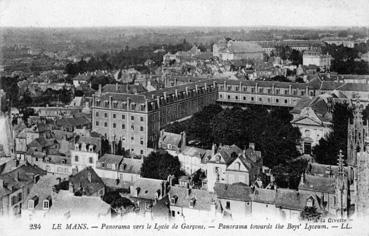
{"x":267,"y":91}
{"x":115,"y":116}
{"x":90,"y":159}
{"x":115,"y":126}
{"x":269,"y":100}
{"x":123,"y":106}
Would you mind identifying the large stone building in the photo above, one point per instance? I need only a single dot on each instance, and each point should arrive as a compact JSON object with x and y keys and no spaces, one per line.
{"x":316,"y":58}
{"x":270,"y":93}
{"x":136,"y":119}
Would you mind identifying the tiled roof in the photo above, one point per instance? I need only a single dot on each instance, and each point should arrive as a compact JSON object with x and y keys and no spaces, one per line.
{"x":226,"y":152}
{"x":81,"y":179}
{"x":183,"y":196}
{"x":237,"y":191}
{"x":96,"y":141}
{"x":317,"y":184}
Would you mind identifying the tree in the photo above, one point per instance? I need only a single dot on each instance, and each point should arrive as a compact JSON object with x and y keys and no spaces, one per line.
{"x":159,"y":165}
{"x":119,"y":204}
{"x":310,"y":213}
{"x":328,"y":148}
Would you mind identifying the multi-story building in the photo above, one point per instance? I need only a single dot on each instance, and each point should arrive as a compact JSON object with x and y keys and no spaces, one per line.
{"x":136,"y":119}
{"x":85,"y":153}
{"x":15,"y":186}
{"x":270,"y":93}
{"x":316,"y":58}
{"x":230,"y":164}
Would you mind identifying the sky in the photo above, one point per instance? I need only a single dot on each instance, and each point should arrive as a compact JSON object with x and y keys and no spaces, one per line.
{"x":89,"y":13}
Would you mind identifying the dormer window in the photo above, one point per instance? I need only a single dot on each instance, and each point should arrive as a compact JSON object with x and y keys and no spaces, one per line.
{"x":46,"y":203}
{"x":310,"y":202}
{"x":173,"y":199}
{"x":106,"y":103}
{"x":98,"y":103}
{"x":76,"y":146}
{"x":32,"y":203}
{"x":115,"y":104}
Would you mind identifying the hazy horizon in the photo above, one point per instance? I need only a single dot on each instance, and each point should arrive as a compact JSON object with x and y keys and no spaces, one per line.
{"x":184,"y":13}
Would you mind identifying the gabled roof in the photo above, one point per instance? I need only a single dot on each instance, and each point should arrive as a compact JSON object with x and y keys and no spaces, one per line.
{"x":237,"y":191}
{"x":81,"y":179}
{"x":202,"y":199}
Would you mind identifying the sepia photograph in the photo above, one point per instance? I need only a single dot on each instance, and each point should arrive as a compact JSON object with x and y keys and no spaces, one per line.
{"x":184,"y":117}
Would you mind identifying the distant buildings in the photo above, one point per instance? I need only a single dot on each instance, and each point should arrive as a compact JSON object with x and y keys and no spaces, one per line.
{"x":316,"y":58}
{"x":237,"y":50}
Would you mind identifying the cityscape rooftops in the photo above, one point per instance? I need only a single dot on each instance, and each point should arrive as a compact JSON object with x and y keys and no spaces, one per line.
{"x":191,"y":198}
{"x":317,"y":184}
{"x":237,"y":191}
{"x":87,"y":181}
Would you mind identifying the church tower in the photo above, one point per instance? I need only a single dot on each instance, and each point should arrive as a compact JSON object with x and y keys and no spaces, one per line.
{"x":362,"y":199}
{"x":342,"y":189}
{"x":357,"y":131}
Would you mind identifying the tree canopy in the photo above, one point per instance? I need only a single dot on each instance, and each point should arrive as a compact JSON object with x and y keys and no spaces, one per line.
{"x":159,"y":165}
{"x":328,"y":148}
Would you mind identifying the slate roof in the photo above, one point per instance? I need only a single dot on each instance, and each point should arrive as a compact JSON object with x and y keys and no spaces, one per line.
{"x":65,"y":203}
{"x":96,"y":141}
{"x":124,"y":88}
{"x":171,"y":138}
{"x":266,"y":196}
{"x":323,"y":170}
{"x":43,"y":189}
{"x":132,"y":165}
{"x":317,"y":184}
{"x":203,"y":199}
{"x":292,"y":199}
{"x":226,"y":152}
{"x":111,"y":159}
{"x":237,"y":191}
{"x":148,"y":187}
{"x":21,"y":176}
{"x":73,"y":122}
{"x":81,"y":180}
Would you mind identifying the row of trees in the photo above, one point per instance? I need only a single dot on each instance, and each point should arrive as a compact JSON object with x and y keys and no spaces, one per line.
{"x":128,"y":57}
{"x":347,"y":60}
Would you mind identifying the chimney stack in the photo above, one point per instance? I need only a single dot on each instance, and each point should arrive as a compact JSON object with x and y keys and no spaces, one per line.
{"x":89,"y":177}
{"x":252,"y":146}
